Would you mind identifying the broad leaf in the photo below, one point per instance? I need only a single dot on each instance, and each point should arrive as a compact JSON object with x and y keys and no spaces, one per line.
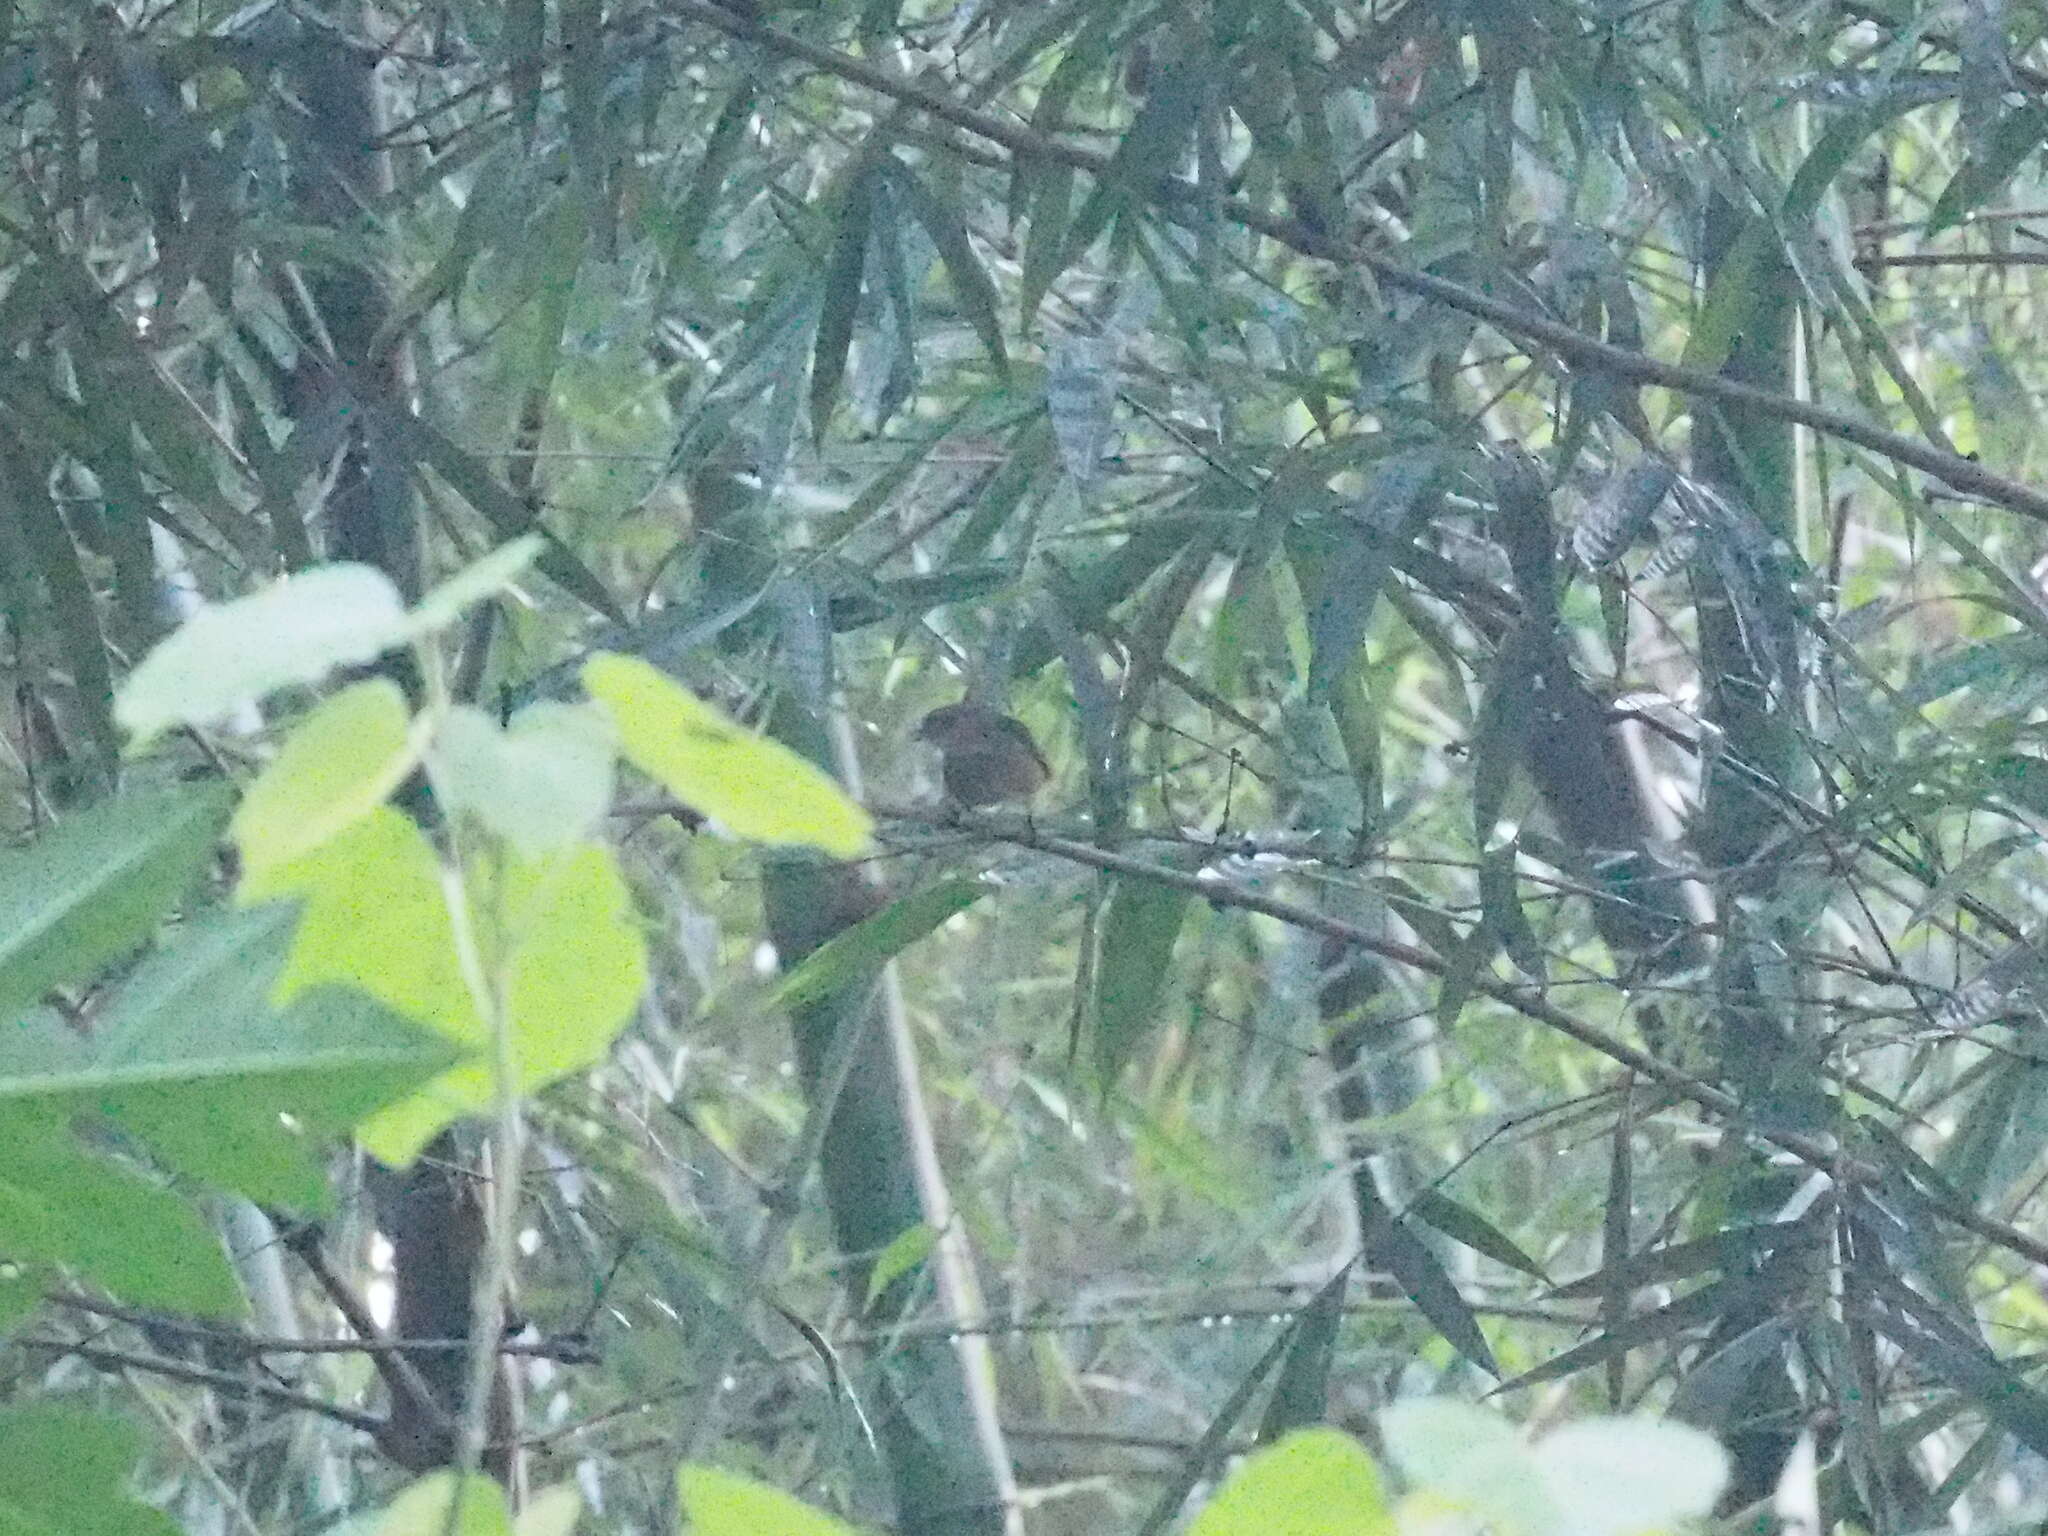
{"x":756,"y":788}
{"x":562,"y":931}
{"x":540,"y":783}
{"x":1316,"y":1482}
{"x":63,"y":1470}
{"x":339,"y":763}
{"x":95,"y":888}
{"x":295,"y":631}
{"x":719,"y":1503}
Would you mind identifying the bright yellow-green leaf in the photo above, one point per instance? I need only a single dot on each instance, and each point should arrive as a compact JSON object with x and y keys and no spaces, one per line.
{"x":423,"y":1509}
{"x":756,"y":788}
{"x":340,"y":763}
{"x":718,"y":1503}
{"x":541,"y":783}
{"x":374,"y":917}
{"x":1315,"y":1482}
{"x":576,"y":964}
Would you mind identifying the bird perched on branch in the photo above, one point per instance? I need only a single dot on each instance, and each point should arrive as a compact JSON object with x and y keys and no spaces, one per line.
{"x":986,"y":758}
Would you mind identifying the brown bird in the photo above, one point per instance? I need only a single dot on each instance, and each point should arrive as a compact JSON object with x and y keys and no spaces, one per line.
{"x":986,"y":758}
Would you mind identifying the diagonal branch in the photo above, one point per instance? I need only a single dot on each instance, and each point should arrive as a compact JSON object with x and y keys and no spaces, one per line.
{"x":1819,"y":1151}
{"x":1567,"y":342}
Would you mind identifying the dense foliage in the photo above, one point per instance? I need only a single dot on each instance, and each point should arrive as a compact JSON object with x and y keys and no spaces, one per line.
{"x":1505,"y":529}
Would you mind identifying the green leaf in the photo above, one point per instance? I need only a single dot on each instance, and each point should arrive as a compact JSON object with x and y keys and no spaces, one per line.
{"x":61,"y":1205}
{"x":295,"y":631}
{"x":72,"y":607}
{"x":1210,"y":1448}
{"x":906,"y":1251}
{"x":584,"y":79}
{"x":1657,"y":1326}
{"x":719,"y":1503}
{"x":339,"y":763}
{"x":1983,"y":176}
{"x":191,"y":1058}
{"x":1500,"y":907}
{"x":727,"y":137}
{"x":1464,"y":1225}
{"x":97,"y":1456}
{"x":1724,"y":1251}
{"x":95,"y":888}
{"x":845,"y":270}
{"x":1731,"y":302}
{"x":1141,"y":921}
{"x":574,"y":965}
{"x":1394,"y":1247}
{"x":1716,"y":1391}
{"x":540,"y":783}
{"x":861,"y":951}
{"x":1045,"y":240}
{"x":374,"y":916}
{"x":1301,"y":1395}
{"x":1359,"y":551}
{"x":507,"y":514}
{"x":447,"y":1504}
{"x":973,"y":286}
{"x":1316,"y":1482}
{"x":1499,"y":736}
{"x":756,"y":788}
{"x":1151,"y":149}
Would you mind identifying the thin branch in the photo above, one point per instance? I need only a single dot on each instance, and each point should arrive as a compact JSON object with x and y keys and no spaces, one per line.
{"x":199,"y":1375}
{"x":1574,"y":345}
{"x":1819,"y":1151}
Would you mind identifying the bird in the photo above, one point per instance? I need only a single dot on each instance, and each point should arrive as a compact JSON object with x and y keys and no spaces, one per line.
{"x":986,"y":758}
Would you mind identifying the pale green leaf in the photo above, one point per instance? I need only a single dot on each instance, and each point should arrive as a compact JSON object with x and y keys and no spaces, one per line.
{"x":550,"y":1512}
{"x":482,"y":579}
{"x":293,"y":631}
{"x":1471,"y":1459}
{"x":574,"y":962}
{"x":541,"y":783}
{"x":374,"y":916}
{"x":1621,"y":1477}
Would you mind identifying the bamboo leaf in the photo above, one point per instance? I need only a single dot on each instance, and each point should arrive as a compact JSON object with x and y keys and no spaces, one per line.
{"x":839,"y":304}
{"x":1141,"y":922}
{"x":1464,"y":1225}
{"x":860,"y":952}
{"x":1301,"y":1395}
{"x":975,"y":289}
